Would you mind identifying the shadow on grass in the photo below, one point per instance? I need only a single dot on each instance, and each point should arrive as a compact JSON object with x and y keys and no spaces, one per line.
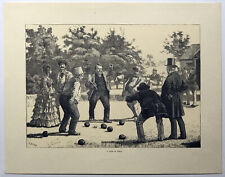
{"x":194,"y":144}
{"x":40,"y":135}
{"x":113,"y":120}
{"x":29,"y":125}
{"x":190,"y":106}
{"x":127,"y":142}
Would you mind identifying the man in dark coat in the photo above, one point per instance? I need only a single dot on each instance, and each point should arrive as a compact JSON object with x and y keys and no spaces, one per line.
{"x":98,"y":90}
{"x":171,"y":97}
{"x":150,"y":106}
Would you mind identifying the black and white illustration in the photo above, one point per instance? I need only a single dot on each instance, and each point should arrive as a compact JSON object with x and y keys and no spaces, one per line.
{"x":113,"y":86}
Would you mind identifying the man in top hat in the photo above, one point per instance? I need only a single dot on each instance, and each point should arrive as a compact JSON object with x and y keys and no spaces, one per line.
{"x":98,"y":90}
{"x":69,"y":99}
{"x":151,"y":105}
{"x":172,"y":89}
{"x":130,"y":88}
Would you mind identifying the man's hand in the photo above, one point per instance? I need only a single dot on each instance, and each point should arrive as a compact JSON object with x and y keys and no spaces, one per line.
{"x":73,"y":101}
{"x":170,"y":97}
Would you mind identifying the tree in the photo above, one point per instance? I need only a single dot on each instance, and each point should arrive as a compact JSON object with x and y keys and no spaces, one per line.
{"x":116,"y":50}
{"x":41,"y":48}
{"x":41,"y":44}
{"x":150,"y":62}
{"x":176,"y":44}
{"x":82,"y":46}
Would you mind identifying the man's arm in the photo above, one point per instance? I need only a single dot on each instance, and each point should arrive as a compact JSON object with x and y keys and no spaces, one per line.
{"x":167,"y":89}
{"x":132,"y":97}
{"x":76,"y":92}
{"x":90,"y":83}
{"x":69,"y":75}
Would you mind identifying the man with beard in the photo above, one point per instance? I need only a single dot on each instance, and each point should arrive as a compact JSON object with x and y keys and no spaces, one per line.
{"x":98,"y":90}
{"x":172,"y":89}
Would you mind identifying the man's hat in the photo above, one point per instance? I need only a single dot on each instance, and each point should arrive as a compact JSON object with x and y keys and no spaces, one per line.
{"x":62,"y":62}
{"x":171,"y":62}
{"x":98,"y":65}
{"x":135,"y":69}
{"x":154,"y":69}
{"x":143,"y":86}
{"x":45,"y":66}
{"x":78,"y":70}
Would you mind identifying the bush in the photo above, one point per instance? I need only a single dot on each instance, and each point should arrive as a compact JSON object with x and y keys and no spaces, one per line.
{"x":33,"y":84}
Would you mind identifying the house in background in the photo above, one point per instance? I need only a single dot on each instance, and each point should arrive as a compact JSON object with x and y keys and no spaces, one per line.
{"x":191,"y":60}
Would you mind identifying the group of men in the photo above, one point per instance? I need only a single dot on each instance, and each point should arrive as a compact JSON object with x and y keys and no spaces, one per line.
{"x":168,"y":105}
{"x":135,"y":90}
{"x":69,"y":93}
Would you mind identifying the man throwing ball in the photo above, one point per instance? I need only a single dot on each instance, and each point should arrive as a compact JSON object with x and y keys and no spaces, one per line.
{"x":150,"y":106}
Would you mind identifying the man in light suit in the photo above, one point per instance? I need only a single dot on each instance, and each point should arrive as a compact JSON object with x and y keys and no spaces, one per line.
{"x":130,"y":88}
{"x":98,"y":90}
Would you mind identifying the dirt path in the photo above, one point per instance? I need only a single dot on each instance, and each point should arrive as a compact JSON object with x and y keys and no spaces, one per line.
{"x":97,"y":137}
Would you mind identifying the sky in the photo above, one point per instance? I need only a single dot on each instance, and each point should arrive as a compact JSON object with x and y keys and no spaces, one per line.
{"x":148,"y":38}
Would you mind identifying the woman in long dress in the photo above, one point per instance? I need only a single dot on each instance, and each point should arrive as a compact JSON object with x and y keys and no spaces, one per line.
{"x":46,"y":111}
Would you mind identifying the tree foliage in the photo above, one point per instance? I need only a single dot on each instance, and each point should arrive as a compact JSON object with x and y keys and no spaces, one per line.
{"x":176,"y":44}
{"x":41,"y":44}
{"x":86,"y":48}
{"x":82,"y":46}
{"x":118,"y":51}
{"x":150,"y":62}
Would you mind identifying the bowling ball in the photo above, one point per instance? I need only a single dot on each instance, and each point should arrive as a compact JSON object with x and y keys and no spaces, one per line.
{"x":103,"y":126}
{"x":122,"y":137}
{"x":45,"y":134}
{"x":87,"y":124}
{"x":121,"y":122}
{"x":109,"y":129}
{"x":81,"y":142}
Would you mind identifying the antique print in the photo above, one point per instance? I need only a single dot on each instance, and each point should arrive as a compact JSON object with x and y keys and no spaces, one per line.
{"x":113,"y":86}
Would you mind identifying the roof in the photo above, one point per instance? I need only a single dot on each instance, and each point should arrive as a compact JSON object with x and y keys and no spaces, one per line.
{"x":190,"y":52}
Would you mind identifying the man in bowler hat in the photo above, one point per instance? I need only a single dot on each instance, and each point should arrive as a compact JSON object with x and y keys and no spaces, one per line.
{"x":151,"y":106}
{"x":69,"y":98}
{"x":172,"y":89}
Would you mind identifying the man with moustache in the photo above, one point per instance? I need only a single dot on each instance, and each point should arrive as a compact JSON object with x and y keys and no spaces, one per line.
{"x":98,"y":90}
